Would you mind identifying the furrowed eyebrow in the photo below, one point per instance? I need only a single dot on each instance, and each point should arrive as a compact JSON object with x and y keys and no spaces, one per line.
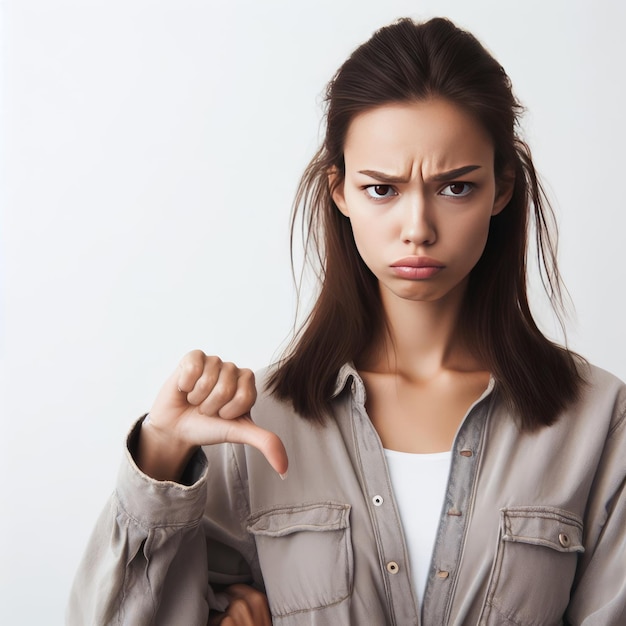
{"x":452,"y":174}
{"x":442,"y":177}
{"x":384,"y":178}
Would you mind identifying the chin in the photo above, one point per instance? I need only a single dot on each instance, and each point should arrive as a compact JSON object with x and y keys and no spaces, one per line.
{"x":419,"y":294}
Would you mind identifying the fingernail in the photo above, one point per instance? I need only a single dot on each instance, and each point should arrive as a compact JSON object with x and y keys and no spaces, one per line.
{"x":283,"y":476}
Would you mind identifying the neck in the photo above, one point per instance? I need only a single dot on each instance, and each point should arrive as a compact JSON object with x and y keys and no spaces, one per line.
{"x":420,"y":339}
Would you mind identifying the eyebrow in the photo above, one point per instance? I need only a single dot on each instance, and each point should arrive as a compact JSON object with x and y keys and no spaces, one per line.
{"x":443,"y":176}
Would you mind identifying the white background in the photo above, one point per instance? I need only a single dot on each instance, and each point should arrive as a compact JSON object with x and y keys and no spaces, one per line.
{"x":150,"y":151}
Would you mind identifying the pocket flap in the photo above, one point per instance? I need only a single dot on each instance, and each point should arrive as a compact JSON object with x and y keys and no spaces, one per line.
{"x":284,"y":520}
{"x":543,"y":526}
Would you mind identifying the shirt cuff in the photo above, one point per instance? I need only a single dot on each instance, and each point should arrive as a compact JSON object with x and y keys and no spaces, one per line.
{"x":161,"y":503}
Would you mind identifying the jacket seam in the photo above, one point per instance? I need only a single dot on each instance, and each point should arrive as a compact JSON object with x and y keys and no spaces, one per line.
{"x":620,"y":422}
{"x":483,"y":437}
{"x":147,"y":527}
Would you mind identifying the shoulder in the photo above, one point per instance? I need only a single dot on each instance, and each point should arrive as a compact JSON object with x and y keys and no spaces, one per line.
{"x":279,"y":415}
{"x":599,"y":376}
{"x":602,"y":394}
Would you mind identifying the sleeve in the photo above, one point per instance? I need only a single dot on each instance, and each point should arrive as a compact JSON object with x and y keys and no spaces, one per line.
{"x":153,"y":554}
{"x":599,"y":595}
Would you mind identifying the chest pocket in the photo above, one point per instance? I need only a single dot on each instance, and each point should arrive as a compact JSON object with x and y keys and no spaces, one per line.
{"x":534,"y":567}
{"x":305,"y":553}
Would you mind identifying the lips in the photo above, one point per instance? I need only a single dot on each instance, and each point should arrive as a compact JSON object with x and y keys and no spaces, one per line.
{"x":416,"y":267}
{"x":418,"y":261}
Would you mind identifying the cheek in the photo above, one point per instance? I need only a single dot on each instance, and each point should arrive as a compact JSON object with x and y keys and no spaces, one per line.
{"x":362,"y":239}
{"x":462,"y":236}
{"x":472,"y":238}
{"x":371,"y":240}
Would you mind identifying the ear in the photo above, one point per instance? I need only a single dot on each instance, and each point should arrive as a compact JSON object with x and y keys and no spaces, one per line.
{"x":335,"y":184}
{"x":504,"y":191}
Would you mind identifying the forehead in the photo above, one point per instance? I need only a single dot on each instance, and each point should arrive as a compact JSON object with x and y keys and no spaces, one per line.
{"x":429,"y":134}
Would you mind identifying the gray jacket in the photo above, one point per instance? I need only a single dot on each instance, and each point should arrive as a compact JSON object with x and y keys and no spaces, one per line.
{"x":532,"y":532}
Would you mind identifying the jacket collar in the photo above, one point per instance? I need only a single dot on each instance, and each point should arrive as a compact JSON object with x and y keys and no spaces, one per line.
{"x":348,"y":375}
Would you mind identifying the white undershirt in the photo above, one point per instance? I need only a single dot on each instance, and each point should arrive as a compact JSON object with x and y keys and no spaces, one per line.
{"x":419,"y":485}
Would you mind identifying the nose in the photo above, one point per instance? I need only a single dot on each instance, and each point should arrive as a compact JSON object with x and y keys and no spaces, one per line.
{"x":418,"y":227}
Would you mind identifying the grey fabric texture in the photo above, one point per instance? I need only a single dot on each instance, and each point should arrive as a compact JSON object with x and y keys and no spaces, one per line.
{"x":532,"y":531}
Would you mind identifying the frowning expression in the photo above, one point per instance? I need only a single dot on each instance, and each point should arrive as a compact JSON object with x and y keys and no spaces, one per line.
{"x":420,"y":191}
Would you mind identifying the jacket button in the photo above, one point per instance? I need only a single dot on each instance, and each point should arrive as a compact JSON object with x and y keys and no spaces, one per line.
{"x":392,"y":567}
{"x":377,"y":500}
{"x":564,"y":540}
{"x":443,"y":574}
{"x":466,"y":452}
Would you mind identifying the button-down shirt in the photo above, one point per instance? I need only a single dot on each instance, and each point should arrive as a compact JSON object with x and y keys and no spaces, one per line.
{"x":532,"y":531}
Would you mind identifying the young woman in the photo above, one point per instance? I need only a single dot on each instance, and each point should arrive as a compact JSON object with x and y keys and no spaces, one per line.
{"x":448,"y":464}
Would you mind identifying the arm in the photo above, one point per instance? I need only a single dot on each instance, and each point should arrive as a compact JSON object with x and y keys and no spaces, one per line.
{"x":143,"y":536}
{"x":148,"y":558}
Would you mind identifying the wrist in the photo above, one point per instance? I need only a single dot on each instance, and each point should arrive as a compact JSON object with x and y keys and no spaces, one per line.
{"x":159,"y":454}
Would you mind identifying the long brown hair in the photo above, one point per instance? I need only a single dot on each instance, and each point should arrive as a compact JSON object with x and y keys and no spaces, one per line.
{"x":407,"y":62}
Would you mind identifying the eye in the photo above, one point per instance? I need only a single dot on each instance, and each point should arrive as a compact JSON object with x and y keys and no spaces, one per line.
{"x":378,"y":192}
{"x":457,"y":190}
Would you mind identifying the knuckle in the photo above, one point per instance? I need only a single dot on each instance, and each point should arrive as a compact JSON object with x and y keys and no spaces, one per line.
{"x":192,"y":363}
{"x":223,"y":392}
{"x":246,"y":396}
{"x":229,"y":370}
{"x":213,"y":361}
{"x":205,"y":384}
{"x":247,"y":382}
{"x":246,"y":375}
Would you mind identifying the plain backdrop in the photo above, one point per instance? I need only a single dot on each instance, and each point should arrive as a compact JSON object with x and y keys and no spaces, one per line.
{"x":150,"y":152}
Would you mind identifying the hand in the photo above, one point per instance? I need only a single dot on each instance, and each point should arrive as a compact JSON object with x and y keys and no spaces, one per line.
{"x":248,"y":607}
{"x":204,"y":402}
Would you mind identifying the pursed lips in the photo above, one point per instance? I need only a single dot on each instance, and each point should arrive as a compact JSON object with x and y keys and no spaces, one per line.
{"x":418,"y":261}
{"x":416,"y":267}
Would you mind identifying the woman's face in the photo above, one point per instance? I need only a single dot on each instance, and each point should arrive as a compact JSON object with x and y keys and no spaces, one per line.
{"x":419,"y":191}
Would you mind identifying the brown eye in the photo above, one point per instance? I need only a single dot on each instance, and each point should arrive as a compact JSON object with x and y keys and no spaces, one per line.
{"x":457,"y":190}
{"x":380,"y":191}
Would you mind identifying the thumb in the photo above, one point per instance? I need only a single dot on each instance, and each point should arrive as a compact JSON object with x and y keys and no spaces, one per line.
{"x":244,"y":430}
